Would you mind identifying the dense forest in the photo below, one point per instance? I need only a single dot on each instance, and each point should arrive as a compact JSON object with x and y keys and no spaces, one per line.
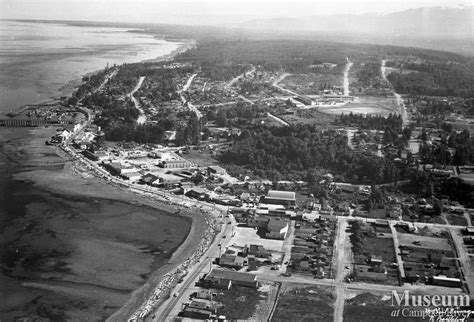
{"x":297,"y":56}
{"x":455,"y":148}
{"x":434,"y":79}
{"x":290,"y":152}
{"x":293,"y":56}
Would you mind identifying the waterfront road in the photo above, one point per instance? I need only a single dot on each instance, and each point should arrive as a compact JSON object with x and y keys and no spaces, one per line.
{"x":181,"y":293}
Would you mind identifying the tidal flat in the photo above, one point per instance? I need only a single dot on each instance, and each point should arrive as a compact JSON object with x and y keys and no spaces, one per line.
{"x":73,"y":248}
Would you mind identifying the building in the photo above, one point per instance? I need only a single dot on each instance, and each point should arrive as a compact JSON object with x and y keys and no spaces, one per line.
{"x":469,"y":230}
{"x":218,"y":278}
{"x":214,"y":169}
{"x":197,"y":193}
{"x":132,"y":176}
{"x":257,"y":251}
{"x":199,"y":310}
{"x":277,"y":228}
{"x":443,"y":280}
{"x":150,"y":179}
{"x":167,"y":180}
{"x":276,"y":197}
{"x":311,"y":216}
{"x":118,"y":168}
{"x":375,"y":260}
{"x":175,"y":164}
{"x":233,"y":261}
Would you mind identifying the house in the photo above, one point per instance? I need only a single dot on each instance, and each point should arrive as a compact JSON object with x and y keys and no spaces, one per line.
{"x":198,"y":310}
{"x":132,"y":176}
{"x":283,"y":198}
{"x":311,"y":217}
{"x":375,"y":260}
{"x":197,"y":193}
{"x":168,"y":179}
{"x":232,"y":261}
{"x":469,"y":240}
{"x":214,"y":169}
{"x":205,"y":295}
{"x":469,"y":230}
{"x":149,"y":179}
{"x":257,"y":251}
{"x":277,"y":228}
{"x":219,"y":277}
{"x":382,"y":223}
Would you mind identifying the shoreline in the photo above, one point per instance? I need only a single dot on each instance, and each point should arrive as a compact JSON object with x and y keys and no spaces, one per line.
{"x":66,"y":183}
{"x":69,"y":182}
{"x":67,"y":89}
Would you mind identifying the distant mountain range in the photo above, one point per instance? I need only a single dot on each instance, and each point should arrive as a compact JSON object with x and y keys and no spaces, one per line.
{"x":432,"y":22}
{"x":437,"y":27}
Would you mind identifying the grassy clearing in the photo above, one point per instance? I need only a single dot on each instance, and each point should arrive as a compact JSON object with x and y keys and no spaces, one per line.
{"x":370,"y":307}
{"x":458,"y":220}
{"x":239,"y":302}
{"x":305,"y":304}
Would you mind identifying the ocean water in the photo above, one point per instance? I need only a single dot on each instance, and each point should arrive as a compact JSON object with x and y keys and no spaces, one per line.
{"x":38,"y":59}
{"x":97,"y":249}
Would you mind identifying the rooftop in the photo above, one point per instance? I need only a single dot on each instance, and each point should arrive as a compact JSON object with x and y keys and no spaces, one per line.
{"x":233,"y":276}
{"x":282,"y":195}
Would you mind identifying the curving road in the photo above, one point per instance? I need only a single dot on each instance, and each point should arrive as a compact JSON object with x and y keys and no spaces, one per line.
{"x":183,"y":99}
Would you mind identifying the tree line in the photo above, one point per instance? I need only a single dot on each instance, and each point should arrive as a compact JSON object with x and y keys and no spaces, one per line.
{"x":290,"y":152}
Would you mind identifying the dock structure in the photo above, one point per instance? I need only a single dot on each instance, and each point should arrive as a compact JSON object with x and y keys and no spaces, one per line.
{"x":23,"y":123}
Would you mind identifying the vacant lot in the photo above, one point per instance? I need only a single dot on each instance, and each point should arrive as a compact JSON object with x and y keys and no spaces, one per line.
{"x":371,"y":306}
{"x":424,"y":242}
{"x":304,"y":304}
{"x":456,"y":219}
{"x":239,"y":302}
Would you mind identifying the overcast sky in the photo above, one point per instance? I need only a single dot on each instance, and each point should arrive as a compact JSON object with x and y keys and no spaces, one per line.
{"x":204,"y":12}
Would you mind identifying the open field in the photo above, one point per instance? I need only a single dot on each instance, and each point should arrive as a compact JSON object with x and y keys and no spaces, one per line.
{"x":304,"y":303}
{"x":365,"y":105}
{"x":308,"y":116}
{"x":244,"y":303}
{"x":308,"y":84}
{"x":377,"y":306}
{"x":424,"y":242}
{"x":457,"y":219}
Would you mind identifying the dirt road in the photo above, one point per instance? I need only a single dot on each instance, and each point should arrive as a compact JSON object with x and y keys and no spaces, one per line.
{"x":142,"y":117}
{"x":398,"y":97}
{"x":346,"y":77}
